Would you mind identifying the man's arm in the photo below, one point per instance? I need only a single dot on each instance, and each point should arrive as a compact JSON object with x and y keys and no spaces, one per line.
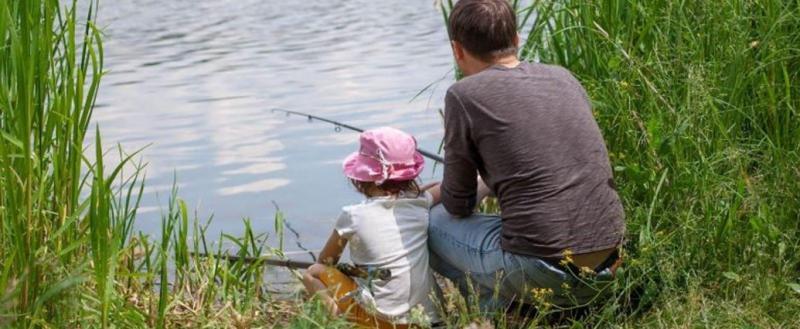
{"x":459,"y":185}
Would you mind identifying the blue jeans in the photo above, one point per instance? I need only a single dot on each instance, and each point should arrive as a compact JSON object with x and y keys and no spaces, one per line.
{"x":467,"y":251}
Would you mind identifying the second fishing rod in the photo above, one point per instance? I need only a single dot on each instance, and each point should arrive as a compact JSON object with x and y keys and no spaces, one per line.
{"x":339,"y":125}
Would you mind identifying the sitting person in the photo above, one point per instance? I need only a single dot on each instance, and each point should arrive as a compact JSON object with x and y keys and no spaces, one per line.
{"x":386,"y":231}
{"x":527,"y":129}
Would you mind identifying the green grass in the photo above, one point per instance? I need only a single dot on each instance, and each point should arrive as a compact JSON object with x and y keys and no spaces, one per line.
{"x":68,"y":254}
{"x":698,"y":102}
{"x":49,"y":77}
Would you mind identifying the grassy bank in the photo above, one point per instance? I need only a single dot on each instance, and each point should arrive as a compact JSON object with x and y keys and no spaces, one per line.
{"x":48,"y":82}
{"x":699,"y":102}
{"x":68,"y":255}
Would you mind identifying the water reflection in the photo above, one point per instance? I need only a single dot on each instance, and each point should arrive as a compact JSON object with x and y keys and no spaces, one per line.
{"x":197,"y":79}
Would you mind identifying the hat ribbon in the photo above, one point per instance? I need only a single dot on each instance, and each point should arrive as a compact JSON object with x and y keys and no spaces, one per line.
{"x":386,"y":167}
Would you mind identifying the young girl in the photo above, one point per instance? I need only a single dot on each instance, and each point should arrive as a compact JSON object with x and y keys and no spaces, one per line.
{"x":386,"y":231}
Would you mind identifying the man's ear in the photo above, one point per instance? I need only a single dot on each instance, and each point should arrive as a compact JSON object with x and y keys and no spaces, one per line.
{"x":516,"y":41}
{"x":458,"y":51}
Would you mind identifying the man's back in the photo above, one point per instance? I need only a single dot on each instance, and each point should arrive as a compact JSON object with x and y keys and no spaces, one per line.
{"x":530,"y":132}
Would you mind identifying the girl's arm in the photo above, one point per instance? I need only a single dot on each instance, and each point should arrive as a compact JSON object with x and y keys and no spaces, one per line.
{"x":328,"y":256}
{"x":435,"y":189}
{"x":333,"y":249}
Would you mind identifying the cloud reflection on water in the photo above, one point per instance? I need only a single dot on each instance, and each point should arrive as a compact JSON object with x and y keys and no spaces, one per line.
{"x":257,"y":186}
{"x":197,"y":79}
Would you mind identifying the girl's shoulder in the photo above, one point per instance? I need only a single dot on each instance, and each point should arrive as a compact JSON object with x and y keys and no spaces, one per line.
{"x":423,"y":199}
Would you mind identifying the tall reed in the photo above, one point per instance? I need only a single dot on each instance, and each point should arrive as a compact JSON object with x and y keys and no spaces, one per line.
{"x":68,"y":254}
{"x":49,"y":82}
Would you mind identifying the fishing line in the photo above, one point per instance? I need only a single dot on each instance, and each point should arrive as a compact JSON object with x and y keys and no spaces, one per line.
{"x":296,"y":234}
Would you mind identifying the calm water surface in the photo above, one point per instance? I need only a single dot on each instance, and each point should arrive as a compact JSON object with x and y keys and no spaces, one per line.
{"x":195,"y":80}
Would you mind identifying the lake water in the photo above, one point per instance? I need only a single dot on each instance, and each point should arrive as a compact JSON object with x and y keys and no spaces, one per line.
{"x":196,"y":81}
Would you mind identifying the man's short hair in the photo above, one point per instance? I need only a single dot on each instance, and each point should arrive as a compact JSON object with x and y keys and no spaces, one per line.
{"x":485,"y":28}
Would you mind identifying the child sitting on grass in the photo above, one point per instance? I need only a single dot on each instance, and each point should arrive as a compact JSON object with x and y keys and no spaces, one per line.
{"x":386,"y":231}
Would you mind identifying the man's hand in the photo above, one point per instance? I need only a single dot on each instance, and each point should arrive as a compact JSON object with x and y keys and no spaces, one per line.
{"x":483,"y":190}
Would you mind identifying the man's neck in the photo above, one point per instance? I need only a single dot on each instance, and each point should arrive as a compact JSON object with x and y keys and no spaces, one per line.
{"x":507,"y":61}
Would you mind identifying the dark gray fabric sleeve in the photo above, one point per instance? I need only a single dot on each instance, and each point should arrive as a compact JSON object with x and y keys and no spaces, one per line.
{"x":459,"y":184}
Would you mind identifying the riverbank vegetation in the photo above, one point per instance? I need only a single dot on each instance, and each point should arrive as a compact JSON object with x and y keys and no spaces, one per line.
{"x":69,"y":257}
{"x":698,"y":102}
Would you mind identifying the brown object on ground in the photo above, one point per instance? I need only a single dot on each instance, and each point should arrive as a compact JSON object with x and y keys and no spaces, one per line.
{"x":342,"y":287}
{"x":592,"y":259}
{"x":616,"y":266}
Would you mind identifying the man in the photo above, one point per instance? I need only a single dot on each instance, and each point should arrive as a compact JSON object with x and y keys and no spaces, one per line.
{"x":528,"y":130}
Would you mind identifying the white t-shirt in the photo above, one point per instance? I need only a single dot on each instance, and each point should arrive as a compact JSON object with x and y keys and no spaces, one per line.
{"x":392,"y":233}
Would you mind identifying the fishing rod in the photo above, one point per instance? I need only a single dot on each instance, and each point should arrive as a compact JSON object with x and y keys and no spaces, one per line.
{"x":339,"y":126}
{"x":348,"y":269}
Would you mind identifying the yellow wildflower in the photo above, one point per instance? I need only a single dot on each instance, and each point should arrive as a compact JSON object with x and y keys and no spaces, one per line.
{"x":567,"y":257}
{"x":541,"y":296}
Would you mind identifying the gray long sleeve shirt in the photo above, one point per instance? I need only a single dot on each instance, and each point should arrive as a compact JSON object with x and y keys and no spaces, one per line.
{"x":530,"y":133}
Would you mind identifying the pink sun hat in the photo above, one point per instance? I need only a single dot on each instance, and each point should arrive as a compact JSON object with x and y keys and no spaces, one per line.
{"x":385,"y":154}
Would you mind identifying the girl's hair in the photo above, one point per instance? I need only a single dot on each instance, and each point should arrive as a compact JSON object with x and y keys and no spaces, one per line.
{"x":393,"y":187}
